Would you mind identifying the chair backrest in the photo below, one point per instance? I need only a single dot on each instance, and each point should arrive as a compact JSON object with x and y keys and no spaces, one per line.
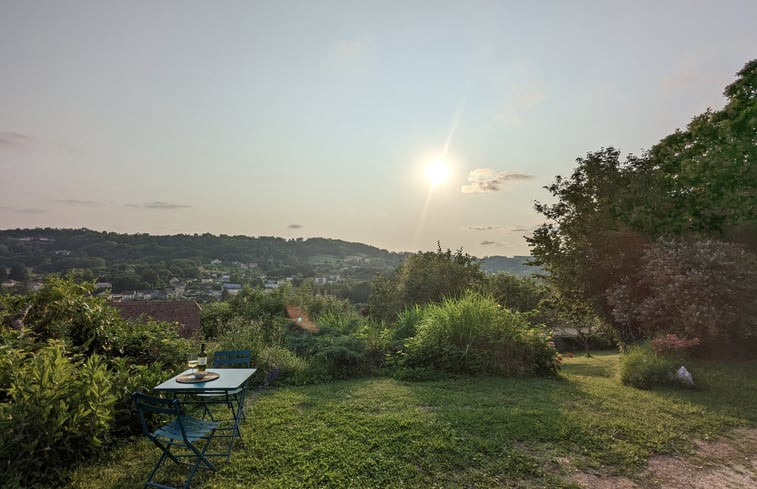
{"x":150,"y":405}
{"x":232,"y":358}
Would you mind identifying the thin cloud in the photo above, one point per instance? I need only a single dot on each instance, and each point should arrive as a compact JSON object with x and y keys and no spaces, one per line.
{"x":10,"y":140}
{"x":159,"y":205}
{"x":488,"y":243}
{"x":531,"y":97}
{"x":77,"y":202}
{"x":19,"y":210}
{"x":15,"y":140}
{"x":294,"y":226}
{"x":487,"y":180}
{"x":507,"y":229}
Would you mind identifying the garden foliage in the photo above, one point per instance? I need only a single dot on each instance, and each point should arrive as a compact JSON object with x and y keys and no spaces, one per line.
{"x":644,"y":368}
{"x":703,"y":289}
{"x":649,"y":243}
{"x":67,"y":375}
{"x":475,"y":335}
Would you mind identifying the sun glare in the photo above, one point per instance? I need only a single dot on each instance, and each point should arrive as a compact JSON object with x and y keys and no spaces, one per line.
{"x":437,"y":172}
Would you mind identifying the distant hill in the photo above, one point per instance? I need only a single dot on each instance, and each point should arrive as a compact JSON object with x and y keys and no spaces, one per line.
{"x":47,"y":250}
{"x":515,"y":265}
{"x":138,"y":260}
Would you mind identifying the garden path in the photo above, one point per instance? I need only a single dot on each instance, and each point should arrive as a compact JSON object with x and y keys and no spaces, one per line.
{"x":728,"y":463}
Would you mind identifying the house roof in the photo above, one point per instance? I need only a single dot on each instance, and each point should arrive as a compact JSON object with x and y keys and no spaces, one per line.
{"x":186,"y":313}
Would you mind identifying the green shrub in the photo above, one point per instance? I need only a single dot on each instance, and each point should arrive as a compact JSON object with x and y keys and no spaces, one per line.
{"x":213,"y":317}
{"x":642,"y":368}
{"x":64,"y":309}
{"x":292,"y":369}
{"x":377,"y":337}
{"x":330,"y":354}
{"x":694,"y":289}
{"x":322,"y":306}
{"x":147,"y":342}
{"x":240,"y":333}
{"x":474,"y":335}
{"x":57,"y":411}
{"x":343,"y":322}
{"x":407,"y":322}
{"x":128,"y":377}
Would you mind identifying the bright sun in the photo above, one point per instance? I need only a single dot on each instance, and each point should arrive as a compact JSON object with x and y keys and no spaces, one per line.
{"x":437,"y":172}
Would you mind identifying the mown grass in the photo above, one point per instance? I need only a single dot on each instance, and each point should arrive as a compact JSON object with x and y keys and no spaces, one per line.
{"x":462,"y":432}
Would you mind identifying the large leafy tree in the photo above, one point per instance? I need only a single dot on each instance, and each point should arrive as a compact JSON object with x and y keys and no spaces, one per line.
{"x":700,"y":182}
{"x":706,"y":176}
{"x":587,"y":247}
{"x":424,"y":278}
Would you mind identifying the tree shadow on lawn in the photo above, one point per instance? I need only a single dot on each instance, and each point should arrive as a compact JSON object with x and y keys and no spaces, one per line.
{"x":727,"y":388}
{"x":462,"y":432}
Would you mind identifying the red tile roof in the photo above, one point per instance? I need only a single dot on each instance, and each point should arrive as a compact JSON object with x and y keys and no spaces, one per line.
{"x":186,"y":313}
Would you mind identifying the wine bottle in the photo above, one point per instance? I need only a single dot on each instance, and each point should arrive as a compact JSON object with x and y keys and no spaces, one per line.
{"x":202,"y":359}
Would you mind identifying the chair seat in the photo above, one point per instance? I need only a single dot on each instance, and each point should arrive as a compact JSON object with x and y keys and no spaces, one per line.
{"x":194,"y":428}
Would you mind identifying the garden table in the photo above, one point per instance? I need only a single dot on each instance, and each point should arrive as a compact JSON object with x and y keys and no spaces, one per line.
{"x":228,"y":382}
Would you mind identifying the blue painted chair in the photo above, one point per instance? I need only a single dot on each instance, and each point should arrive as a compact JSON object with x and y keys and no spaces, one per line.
{"x":233,"y":399}
{"x":183,"y":437}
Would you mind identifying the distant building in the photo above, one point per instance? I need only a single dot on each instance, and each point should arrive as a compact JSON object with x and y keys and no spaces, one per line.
{"x":185,"y":313}
{"x":232,"y":288}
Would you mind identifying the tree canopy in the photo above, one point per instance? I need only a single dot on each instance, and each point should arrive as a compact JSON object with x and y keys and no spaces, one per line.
{"x":698,"y":183}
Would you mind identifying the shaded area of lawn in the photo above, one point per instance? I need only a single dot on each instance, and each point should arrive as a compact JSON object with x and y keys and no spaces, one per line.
{"x":463,"y":432}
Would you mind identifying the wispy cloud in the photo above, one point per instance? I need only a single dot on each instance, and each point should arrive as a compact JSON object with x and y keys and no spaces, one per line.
{"x":488,"y":180}
{"x":531,"y":97}
{"x":159,"y":205}
{"x":506,"y":229}
{"x":11,"y":140}
{"x":517,"y":103}
{"x":15,"y":140}
{"x":21,"y":210}
{"x":294,"y":226}
{"x":489,"y":243}
{"x":77,"y":202}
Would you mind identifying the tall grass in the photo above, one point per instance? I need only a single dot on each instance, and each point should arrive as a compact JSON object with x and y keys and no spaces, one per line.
{"x":474,"y":334}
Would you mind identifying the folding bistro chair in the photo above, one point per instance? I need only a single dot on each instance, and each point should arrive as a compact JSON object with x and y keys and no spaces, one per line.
{"x":234,"y":399}
{"x":184,"y":437}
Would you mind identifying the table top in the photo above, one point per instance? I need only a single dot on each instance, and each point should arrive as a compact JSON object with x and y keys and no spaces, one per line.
{"x":229,"y":379}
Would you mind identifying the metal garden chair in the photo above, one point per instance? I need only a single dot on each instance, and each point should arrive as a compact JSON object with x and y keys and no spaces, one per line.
{"x":183,"y":437}
{"x":233,"y":399}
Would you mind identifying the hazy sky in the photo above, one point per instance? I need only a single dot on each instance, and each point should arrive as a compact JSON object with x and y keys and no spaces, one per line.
{"x":315,"y":118}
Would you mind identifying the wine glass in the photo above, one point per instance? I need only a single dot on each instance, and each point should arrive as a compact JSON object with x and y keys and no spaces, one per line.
{"x":192,"y":361}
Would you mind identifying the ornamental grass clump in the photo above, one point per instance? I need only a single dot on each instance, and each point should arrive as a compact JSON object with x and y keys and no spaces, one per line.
{"x":475,"y":335}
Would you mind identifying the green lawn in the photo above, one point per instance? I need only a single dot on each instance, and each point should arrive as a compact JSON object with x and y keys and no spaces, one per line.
{"x":463,"y":432}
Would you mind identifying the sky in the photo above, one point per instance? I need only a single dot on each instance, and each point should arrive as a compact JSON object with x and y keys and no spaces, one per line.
{"x":319,"y":118}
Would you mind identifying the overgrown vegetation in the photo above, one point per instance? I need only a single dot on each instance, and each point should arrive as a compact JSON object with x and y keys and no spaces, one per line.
{"x":69,"y":364}
{"x":664,"y":242}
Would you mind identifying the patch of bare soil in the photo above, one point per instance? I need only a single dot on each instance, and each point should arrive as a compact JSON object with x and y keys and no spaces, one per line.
{"x":729,"y":463}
